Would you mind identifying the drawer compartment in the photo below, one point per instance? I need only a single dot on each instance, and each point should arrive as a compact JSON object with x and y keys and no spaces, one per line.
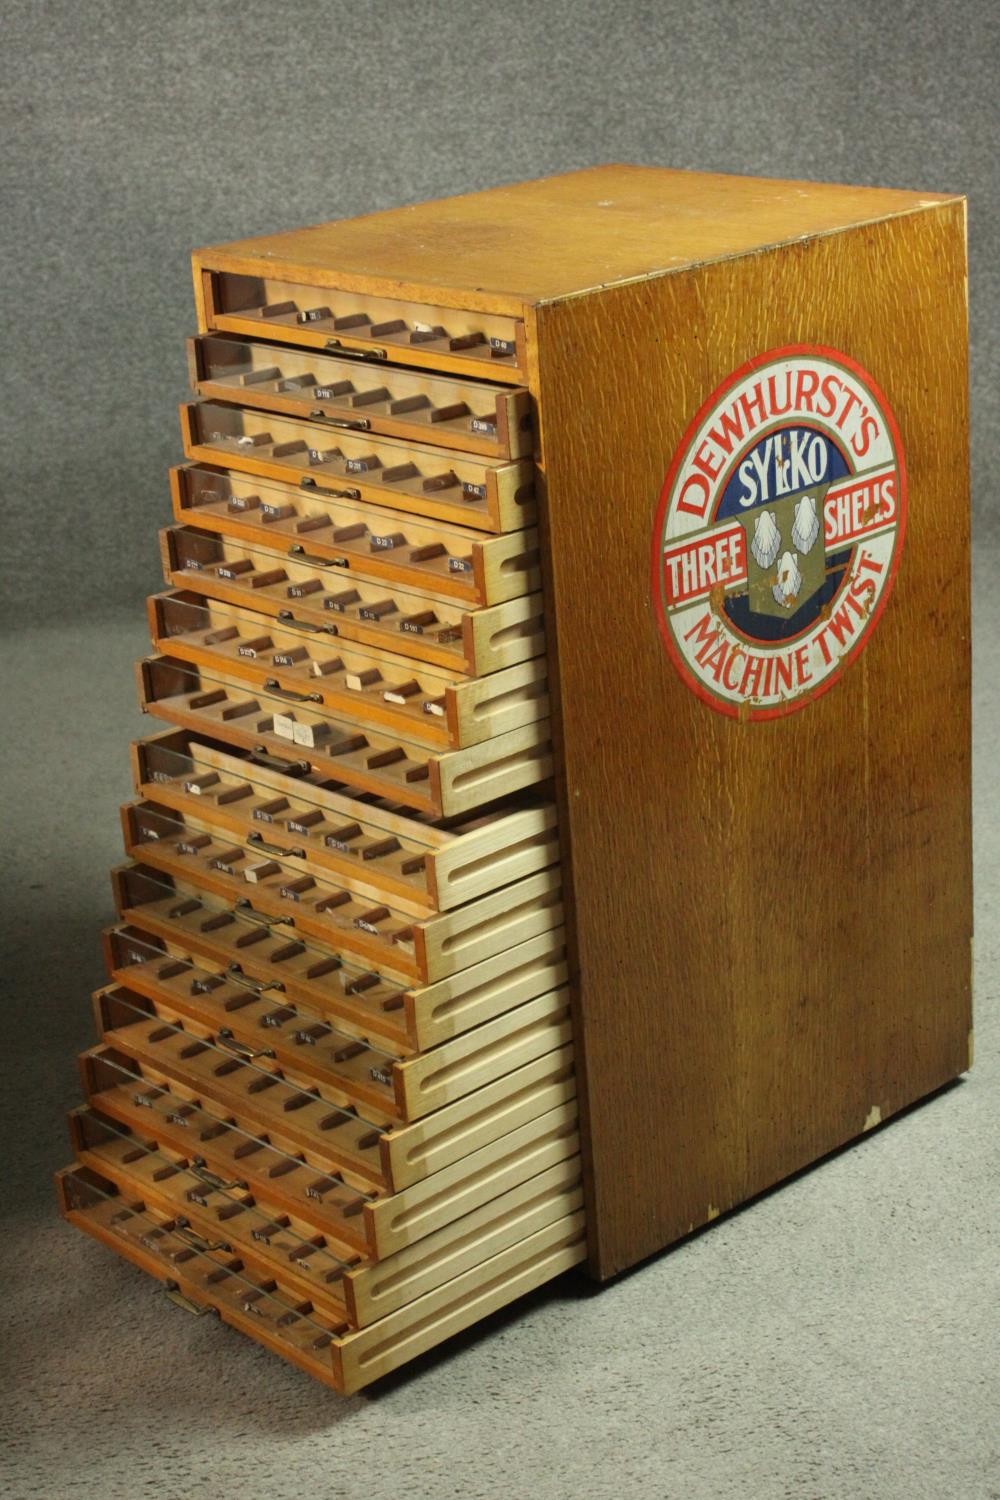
{"x":532,"y":1128}
{"x":491,"y":495}
{"x":276,"y":1315}
{"x":426,"y":947}
{"x":303,"y":1043}
{"x":340,"y":1280}
{"x":467,"y":415}
{"x":314,"y":525}
{"x":366,"y":845}
{"x":250,"y":946}
{"x":472,"y":641}
{"x":294,"y":738}
{"x":376,"y":328}
{"x":310,"y":664}
{"x":372,"y":1151}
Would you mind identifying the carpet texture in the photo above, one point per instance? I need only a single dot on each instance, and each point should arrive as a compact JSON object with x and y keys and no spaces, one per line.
{"x":837,"y":1339}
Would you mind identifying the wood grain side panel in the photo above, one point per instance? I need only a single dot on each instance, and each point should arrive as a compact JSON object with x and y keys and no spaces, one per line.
{"x":772,"y":920}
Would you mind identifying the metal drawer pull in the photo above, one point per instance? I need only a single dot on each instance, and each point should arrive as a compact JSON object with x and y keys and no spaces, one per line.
{"x":300,"y":554}
{"x":355,"y":424}
{"x":256,"y":986}
{"x":287,"y":618}
{"x":177,"y":1297}
{"x":259,"y":842}
{"x":260,"y":757}
{"x":373,"y":353}
{"x":231,"y":1043}
{"x":272,"y":685}
{"x":211,"y":1180}
{"x":247,"y":912}
{"x":197,"y":1242}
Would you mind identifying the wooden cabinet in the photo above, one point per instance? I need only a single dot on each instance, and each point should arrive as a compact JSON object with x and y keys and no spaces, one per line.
{"x":556,"y":826}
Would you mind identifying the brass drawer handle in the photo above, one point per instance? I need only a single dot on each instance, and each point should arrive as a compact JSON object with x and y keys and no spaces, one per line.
{"x":287,"y":618}
{"x":211,"y":1180}
{"x":272,"y":685}
{"x":177,"y":1297}
{"x":260,"y":756}
{"x":191,"y":1237}
{"x":308,"y":482}
{"x":246,"y":911}
{"x":232,"y":1043}
{"x":256,"y":986}
{"x":354,"y":424}
{"x":300,"y":554}
{"x":373,"y":353}
{"x":259,"y":842}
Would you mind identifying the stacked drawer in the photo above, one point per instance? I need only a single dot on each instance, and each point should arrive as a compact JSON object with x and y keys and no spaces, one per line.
{"x":333,"y":1098}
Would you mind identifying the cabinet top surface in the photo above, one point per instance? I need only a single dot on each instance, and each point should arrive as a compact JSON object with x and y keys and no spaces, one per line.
{"x":555,"y":236}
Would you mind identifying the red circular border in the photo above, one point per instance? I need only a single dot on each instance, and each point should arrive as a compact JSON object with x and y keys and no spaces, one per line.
{"x":782,"y":710}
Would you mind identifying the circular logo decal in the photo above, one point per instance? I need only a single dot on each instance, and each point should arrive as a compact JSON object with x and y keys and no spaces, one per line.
{"x":779,"y":531}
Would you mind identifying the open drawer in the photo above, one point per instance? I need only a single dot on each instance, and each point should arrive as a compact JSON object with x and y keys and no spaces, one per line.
{"x":424,"y":947}
{"x":304,"y":1044}
{"x":310,"y":664}
{"x":466,"y":415}
{"x":375,"y":328}
{"x":371,"y":847}
{"x":274,"y":1312}
{"x":339,"y":1279}
{"x":317,"y":526}
{"x":294,"y":738}
{"x":485,"y":494}
{"x":314,"y":594}
{"x":251,"y":949}
{"x":506,"y":1130}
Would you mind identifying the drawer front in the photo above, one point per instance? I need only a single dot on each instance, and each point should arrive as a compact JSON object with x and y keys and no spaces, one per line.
{"x":273,"y":1313}
{"x":311,"y":665}
{"x":379,"y":329}
{"x":293,"y":738}
{"x":422,"y":948}
{"x":316,"y":525}
{"x":369,"y":847}
{"x":467,"y":640}
{"x":359,"y":396}
{"x":485,"y":494}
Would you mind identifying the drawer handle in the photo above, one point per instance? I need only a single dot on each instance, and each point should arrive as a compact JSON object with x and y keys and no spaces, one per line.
{"x":354,"y":424}
{"x":232,"y":1043}
{"x":373,"y":353}
{"x":300,"y":554}
{"x":210,"y":1180}
{"x":260,"y":757}
{"x":259,"y":842}
{"x":287,"y":618}
{"x":198,"y":1242}
{"x":246,"y":910}
{"x":272,"y":685}
{"x":177,"y":1297}
{"x":307,"y":482}
{"x":256,"y":986}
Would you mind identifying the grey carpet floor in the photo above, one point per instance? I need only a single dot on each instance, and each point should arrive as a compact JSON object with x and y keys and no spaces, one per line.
{"x":836,"y":1338}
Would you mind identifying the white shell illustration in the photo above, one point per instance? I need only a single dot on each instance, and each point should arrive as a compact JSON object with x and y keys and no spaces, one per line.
{"x":806,"y":528}
{"x":766,"y":538}
{"x":789,"y":581}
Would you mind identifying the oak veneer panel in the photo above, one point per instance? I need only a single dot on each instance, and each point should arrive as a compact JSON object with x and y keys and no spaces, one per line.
{"x":493,"y":251}
{"x":772,"y":919}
